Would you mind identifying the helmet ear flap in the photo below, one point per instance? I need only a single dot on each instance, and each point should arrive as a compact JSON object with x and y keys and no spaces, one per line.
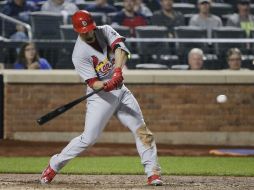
{"x":83,"y":22}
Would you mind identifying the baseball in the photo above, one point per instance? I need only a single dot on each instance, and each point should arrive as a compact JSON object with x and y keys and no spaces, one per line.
{"x":221,"y":98}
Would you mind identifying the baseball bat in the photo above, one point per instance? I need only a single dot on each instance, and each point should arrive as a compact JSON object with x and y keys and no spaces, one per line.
{"x":58,"y":111}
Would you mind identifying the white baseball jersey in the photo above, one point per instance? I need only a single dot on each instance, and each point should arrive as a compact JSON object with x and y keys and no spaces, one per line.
{"x":89,"y":62}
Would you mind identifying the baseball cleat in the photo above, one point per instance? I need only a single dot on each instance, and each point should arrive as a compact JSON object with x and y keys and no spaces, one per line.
{"x":155,"y":180}
{"x":47,"y":175}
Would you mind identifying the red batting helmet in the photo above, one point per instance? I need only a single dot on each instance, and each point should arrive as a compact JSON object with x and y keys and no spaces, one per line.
{"x":83,"y":22}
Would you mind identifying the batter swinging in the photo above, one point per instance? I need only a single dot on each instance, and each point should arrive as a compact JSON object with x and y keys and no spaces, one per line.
{"x":98,"y":56}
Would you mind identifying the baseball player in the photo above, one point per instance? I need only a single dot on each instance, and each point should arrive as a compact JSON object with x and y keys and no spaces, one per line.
{"x":98,"y":56}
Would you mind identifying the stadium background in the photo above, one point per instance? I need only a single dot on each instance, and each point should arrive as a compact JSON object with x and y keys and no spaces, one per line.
{"x":175,"y":103}
{"x":152,"y":49}
{"x":52,"y":30}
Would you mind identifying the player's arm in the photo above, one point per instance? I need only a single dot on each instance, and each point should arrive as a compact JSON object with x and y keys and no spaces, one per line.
{"x":116,"y":42}
{"x":117,"y":78}
{"x":120,"y":58}
{"x":85,"y":69}
{"x":121,"y":52}
{"x":94,"y":83}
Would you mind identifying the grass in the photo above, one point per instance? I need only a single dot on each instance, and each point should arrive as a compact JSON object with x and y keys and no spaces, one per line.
{"x":205,"y":166}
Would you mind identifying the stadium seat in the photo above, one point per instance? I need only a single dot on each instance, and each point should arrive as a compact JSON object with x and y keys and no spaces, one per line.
{"x":180,"y":67}
{"x":225,"y":18}
{"x":123,"y":30}
{"x":152,"y":51}
{"x":68,"y":19}
{"x":192,"y":2}
{"x":110,"y":17}
{"x":220,"y":9}
{"x":187,"y":18}
{"x":252,"y":8}
{"x":169,"y":60}
{"x":83,"y":5}
{"x":183,"y":48}
{"x":211,"y":62}
{"x":152,"y":5}
{"x":185,"y":8}
{"x":67,"y":32}
{"x":1,"y":47}
{"x":251,"y":45}
{"x":248,"y":62}
{"x":64,"y":59}
{"x":7,"y":28}
{"x":228,"y":32}
{"x":118,"y":5}
{"x":133,"y":61}
{"x":151,"y":66}
{"x":2,"y":4}
{"x":46,"y":25}
{"x":99,"y":18}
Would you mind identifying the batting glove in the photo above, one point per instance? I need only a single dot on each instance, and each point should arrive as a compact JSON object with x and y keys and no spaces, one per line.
{"x":117,"y":79}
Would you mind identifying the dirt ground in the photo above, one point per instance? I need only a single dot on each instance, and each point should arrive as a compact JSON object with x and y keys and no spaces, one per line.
{"x":85,"y":182}
{"x":23,"y":148}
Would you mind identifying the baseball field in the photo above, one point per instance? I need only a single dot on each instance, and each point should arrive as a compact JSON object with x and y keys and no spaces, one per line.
{"x":180,"y":107}
{"x":182,"y":167}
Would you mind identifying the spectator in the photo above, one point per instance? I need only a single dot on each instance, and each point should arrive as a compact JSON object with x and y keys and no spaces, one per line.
{"x":168,"y":17}
{"x":205,"y":19}
{"x":234,"y":59}
{"x":153,"y":4}
{"x":243,"y":19}
{"x":101,"y":6}
{"x":233,"y":3}
{"x":128,"y":16}
{"x":195,"y":59}
{"x":75,"y":1}
{"x":59,"y":6}
{"x":28,"y":58}
{"x":19,"y":9}
{"x":219,"y":1}
{"x":38,"y":3}
{"x":20,"y":34}
{"x":141,"y":8}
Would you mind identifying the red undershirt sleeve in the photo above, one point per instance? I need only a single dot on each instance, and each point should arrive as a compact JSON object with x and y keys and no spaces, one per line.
{"x":91,"y":81}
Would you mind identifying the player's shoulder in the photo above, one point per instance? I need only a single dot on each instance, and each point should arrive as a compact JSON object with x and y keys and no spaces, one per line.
{"x":79,"y":49}
{"x":104,"y":27}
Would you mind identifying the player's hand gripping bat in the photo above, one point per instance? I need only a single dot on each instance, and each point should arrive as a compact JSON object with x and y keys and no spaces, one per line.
{"x":58,"y":111}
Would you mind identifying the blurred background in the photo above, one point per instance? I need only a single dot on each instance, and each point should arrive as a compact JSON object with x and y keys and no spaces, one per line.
{"x":165,"y":37}
{"x":159,"y":33}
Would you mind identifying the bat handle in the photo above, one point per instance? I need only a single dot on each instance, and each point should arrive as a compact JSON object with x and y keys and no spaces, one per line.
{"x":64,"y":108}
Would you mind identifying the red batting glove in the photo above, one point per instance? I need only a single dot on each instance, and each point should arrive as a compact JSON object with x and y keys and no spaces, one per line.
{"x":110,"y":85}
{"x":117,"y":79}
{"x":118,"y":76}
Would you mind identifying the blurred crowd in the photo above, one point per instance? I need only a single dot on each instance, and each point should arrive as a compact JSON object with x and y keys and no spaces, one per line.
{"x":134,"y":13}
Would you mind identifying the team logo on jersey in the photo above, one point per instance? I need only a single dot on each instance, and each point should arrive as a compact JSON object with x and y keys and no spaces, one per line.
{"x":95,"y":60}
{"x":84,"y":23}
{"x":101,"y":67}
{"x":113,"y":33}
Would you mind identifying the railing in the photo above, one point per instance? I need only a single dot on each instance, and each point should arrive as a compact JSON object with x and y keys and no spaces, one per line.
{"x":170,"y":40}
{"x":146,"y":50}
{"x":15,"y":21}
{"x":192,"y":40}
{"x":4,"y":39}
